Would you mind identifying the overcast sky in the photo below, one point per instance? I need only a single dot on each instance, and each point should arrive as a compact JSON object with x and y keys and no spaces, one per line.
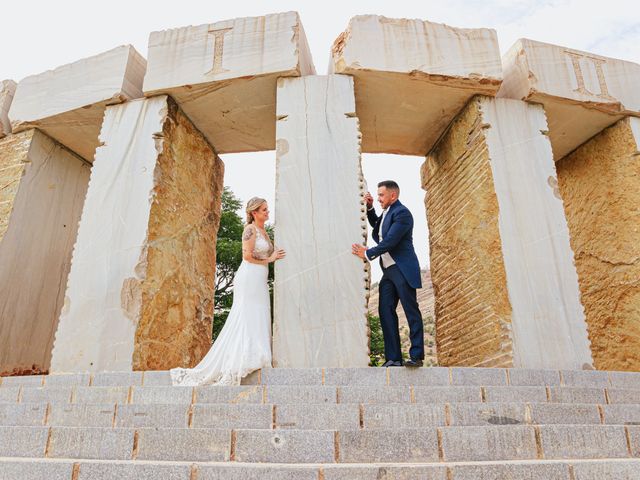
{"x":42,"y":34}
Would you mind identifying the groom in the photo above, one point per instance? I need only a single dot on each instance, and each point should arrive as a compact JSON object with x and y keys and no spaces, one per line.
{"x":392,"y":231}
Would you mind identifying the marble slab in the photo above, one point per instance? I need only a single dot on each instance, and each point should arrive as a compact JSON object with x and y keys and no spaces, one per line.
{"x":320,"y":288}
{"x":223,"y":75}
{"x":7,"y":90}
{"x":68,"y":103}
{"x":412,"y":77}
{"x":582,"y":93}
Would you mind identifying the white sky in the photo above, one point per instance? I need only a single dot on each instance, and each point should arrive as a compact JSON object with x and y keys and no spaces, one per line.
{"x":42,"y":34}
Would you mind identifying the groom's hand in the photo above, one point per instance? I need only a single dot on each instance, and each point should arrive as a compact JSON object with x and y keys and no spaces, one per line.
{"x":369,"y":199}
{"x":358,"y":250}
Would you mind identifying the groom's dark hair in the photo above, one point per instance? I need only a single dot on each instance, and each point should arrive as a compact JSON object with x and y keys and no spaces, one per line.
{"x":390,"y":185}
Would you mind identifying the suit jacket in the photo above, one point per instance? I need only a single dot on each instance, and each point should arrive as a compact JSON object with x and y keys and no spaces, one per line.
{"x":397,"y":234}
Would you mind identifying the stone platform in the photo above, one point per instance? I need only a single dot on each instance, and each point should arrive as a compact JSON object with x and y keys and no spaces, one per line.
{"x":366,"y":423}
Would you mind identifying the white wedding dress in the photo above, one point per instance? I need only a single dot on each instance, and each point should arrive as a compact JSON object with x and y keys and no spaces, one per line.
{"x":244,"y":343}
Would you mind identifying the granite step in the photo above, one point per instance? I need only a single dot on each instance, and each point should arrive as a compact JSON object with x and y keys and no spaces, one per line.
{"x":426,"y":444}
{"x":313,"y":416}
{"x":50,"y":469}
{"x":431,"y":376}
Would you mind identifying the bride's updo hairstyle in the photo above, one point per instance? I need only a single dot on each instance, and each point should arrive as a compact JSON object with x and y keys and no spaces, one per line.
{"x":252,"y":205}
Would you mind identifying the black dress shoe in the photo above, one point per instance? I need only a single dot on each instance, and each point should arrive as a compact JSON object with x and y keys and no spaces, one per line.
{"x":413,"y":363}
{"x":392,"y":363}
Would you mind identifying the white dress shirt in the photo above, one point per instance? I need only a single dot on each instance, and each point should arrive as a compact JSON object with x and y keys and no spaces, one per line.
{"x":387,"y":261}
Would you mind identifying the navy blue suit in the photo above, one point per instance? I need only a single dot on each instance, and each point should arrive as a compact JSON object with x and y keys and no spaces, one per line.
{"x":400,"y":281}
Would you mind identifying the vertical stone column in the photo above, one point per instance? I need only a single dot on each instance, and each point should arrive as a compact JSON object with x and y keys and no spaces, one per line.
{"x":140,"y":291}
{"x":320,"y":288}
{"x":42,"y":188}
{"x":599,"y":183}
{"x":506,"y":287}
{"x":7,"y":90}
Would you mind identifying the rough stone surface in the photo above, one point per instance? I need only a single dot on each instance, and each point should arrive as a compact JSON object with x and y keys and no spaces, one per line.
{"x":384,"y":472}
{"x":68,"y":103}
{"x":146,"y":416}
{"x":478,"y":376}
{"x":621,"y":414}
{"x":529,"y":471}
{"x":585,"y":378}
{"x":81,"y":379}
{"x":512,"y":442}
{"x":157,"y":378}
{"x":581,"y":441}
{"x":320,"y":297}
{"x":35,"y":470}
{"x":283,"y":394}
{"x":41,"y":198}
{"x":162,"y":395}
{"x":598,"y":182}
{"x":104,"y":379}
{"x":403,"y":416}
{"x":527,"y":377}
{"x":487,"y":414}
{"x":28,"y":380}
{"x":284,"y":446}
{"x":625,"y":379}
{"x":634,"y":440}
{"x":194,"y":444}
{"x":375,"y":394}
{"x":86,"y":415}
{"x":576,"y":395}
{"x":256,"y":472}
{"x":132,"y":471}
{"x":492,"y":308}
{"x":620,"y":470}
{"x":9,"y":394}
{"x":289,"y":376}
{"x":156,"y":264}
{"x":446,"y":394}
{"x":406,"y":94}
{"x":393,"y":446}
{"x":355,"y":376}
{"x":233,"y":416}
{"x":432,"y":376}
{"x":582,"y":93}
{"x":22,"y":414}
{"x":241,"y":394}
{"x":23,"y":441}
{"x":224,"y":75}
{"x":101,"y":394}
{"x":7,"y":90}
{"x":515,"y":394}
{"x":615,"y":395}
{"x":91,"y":443}
{"x":47,"y":394}
{"x":543,"y":414}
{"x":317,"y":417}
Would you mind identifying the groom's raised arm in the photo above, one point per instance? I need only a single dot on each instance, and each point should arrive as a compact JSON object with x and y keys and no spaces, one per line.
{"x":372,"y":216}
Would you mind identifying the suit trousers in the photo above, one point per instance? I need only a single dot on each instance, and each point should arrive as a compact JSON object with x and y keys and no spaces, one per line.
{"x":394,"y":288}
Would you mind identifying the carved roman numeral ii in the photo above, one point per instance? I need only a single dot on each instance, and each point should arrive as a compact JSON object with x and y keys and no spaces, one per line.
{"x":577,"y":69}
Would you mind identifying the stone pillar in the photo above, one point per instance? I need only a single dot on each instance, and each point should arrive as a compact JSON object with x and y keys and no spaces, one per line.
{"x":599,"y":183}
{"x":42,"y":188}
{"x":320,"y":288}
{"x":7,"y":90}
{"x":140,"y":291}
{"x":502,"y":267}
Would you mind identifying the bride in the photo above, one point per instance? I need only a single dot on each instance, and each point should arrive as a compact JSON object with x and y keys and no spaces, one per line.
{"x":244,"y":343}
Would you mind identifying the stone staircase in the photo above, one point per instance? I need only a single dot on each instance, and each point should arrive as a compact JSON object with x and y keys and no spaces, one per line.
{"x":324,"y":424}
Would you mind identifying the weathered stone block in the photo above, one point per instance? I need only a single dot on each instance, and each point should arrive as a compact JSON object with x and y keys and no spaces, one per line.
{"x":68,"y":103}
{"x":433,"y":376}
{"x":514,"y":442}
{"x":501,"y":262}
{"x":9,"y":394}
{"x":549,"y":413}
{"x":355,"y":376}
{"x":616,"y":395}
{"x":629,"y":380}
{"x":104,"y":379}
{"x":620,"y":470}
{"x":375,"y":472}
{"x":389,"y":446}
{"x":621,"y":414}
{"x":320,"y":297}
{"x":634,"y":440}
{"x":585,"y":378}
{"x":101,"y":394}
{"x":140,"y":290}
{"x":284,"y":446}
{"x":22,"y":414}
{"x":162,"y":395}
{"x":148,"y":416}
{"x":447,"y":394}
{"x":257,"y":472}
{"x":476,"y":414}
{"x":527,"y":377}
{"x":292,"y":376}
{"x":302,"y":394}
{"x":7,"y":90}
{"x":229,"y":394}
{"x":23,"y":441}
{"x":133,"y":471}
{"x":515,"y":394}
{"x":530,"y":471}
{"x":40,"y":204}
{"x":35,"y":470}
{"x":27,"y":380}
{"x":224,"y":75}
{"x":583,"y":441}
{"x":157,"y":378}
{"x":576,"y":395}
{"x":318,"y":417}
{"x":47,"y":394}
{"x":478,"y":376}
{"x":91,"y":443}
{"x":392,"y":416}
{"x":598,"y":183}
{"x":232,"y":416}
{"x":582,"y":93}
{"x":373,"y":394}
{"x":407,"y":94}
{"x":81,"y":379}
{"x":87,"y":415}
{"x":177,"y":444}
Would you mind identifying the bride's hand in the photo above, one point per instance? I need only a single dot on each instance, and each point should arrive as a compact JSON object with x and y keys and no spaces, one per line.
{"x":277,"y":255}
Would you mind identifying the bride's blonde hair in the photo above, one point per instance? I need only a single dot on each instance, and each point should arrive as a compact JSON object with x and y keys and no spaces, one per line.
{"x":252,"y":205}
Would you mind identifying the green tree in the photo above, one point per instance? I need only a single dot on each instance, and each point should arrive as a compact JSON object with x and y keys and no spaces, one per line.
{"x":229,"y":257}
{"x":376,"y":341}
